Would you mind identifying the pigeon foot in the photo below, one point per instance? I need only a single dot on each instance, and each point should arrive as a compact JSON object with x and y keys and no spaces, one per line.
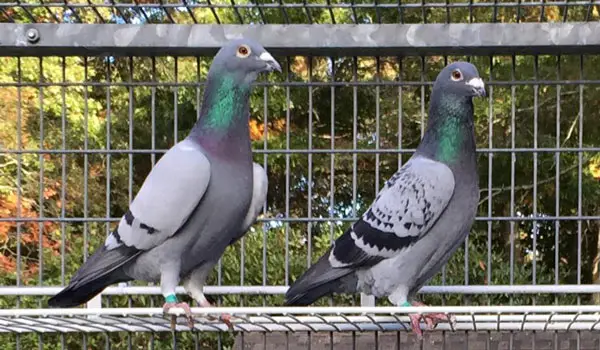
{"x":185,"y":307}
{"x":431,"y":320}
{"x":225,"y":318}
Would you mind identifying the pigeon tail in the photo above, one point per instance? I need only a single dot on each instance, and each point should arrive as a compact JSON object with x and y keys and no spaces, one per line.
{"x":101,"y":269}
{"x":319,"y":280}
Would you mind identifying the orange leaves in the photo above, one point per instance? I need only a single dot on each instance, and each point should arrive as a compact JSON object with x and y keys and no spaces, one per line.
{"x":12,"y":111}
{"x":30,"y":231}
{"x":30,"y":271}
{"x":30,"y":235}
{"x":96,"y":170}
{"x":9,"y":208}
{"x":4,"y":225}
{"x":7,"y":263}
{"x":257,"y":130}
{"x":49,"y":192}
{"x":278,"y":125}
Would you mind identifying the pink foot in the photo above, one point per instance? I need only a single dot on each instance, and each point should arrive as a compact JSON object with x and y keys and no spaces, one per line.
{"x":415,"y":324}
{"x":185,"y":307}
{"x":225,"y":318}
{"x":431,"y":320}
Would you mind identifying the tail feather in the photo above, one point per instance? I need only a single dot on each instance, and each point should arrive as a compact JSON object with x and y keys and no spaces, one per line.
{"x":102,"y":269}
{"x":319,"y":280}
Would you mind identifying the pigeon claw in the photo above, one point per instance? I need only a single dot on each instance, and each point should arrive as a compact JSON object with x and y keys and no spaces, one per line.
{"x":185,"y":307}
{"x":226,"y":318}
{"x":415,"y":324}
{"x":430,"y":319}
{"x":433,"y":319}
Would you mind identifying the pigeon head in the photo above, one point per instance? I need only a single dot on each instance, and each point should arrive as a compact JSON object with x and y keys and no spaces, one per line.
{"x":462,"y":79}
{"x":223,"y":121}
{"x":243,"y":59}
{"x":449,"y":136}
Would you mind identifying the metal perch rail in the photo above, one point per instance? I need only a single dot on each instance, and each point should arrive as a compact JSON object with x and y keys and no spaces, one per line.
{"x":312,"y":319}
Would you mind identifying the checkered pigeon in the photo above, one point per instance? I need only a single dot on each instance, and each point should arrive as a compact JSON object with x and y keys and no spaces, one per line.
{"x":420,"y":217}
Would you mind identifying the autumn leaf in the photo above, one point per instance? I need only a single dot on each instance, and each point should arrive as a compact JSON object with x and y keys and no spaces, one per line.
{"x":256,"y":130}
{"x":594,"y":169}
{"x":30,"y":272}
{"x":49,"y":192}
{"x":8,"y":263}
{"x":278,"y":125}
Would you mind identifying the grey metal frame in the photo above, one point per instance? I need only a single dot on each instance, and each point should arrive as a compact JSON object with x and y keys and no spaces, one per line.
{"x":303,"y":39}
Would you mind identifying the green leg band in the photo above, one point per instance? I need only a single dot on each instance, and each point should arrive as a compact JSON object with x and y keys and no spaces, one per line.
{"x":406,"y":303}
{"x":171,"y":298}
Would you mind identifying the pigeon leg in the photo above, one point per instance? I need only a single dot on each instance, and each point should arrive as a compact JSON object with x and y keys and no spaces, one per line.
{"x":171,"y":302}
{"x":415,"y":325}
{"x":194,"y":285}
{"x":225,"y":318}
{"x":169,"y":279}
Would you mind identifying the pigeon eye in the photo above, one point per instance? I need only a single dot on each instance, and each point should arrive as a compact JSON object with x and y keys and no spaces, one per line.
{"x":243,"y":51}
{"x":456,"y":75}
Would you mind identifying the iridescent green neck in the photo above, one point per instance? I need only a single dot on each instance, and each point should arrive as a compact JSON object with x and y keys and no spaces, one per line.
{"x":449,"y":129}
{"x":225,"y":99}
{"x":450,"y":140}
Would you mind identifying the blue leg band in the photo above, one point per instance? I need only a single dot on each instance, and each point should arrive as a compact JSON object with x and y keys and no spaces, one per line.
{"x":171,"y":298}
{"x":406,"y":303}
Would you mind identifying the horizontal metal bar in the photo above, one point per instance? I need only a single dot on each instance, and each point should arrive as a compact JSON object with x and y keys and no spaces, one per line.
{"x":149,"y":290}
{"x":301,"y":151}
{"x":280,"y":290}
{"x":313,"y":319}
{"x":297,"y":84}
{"x":345,"y":5}
{"x":301,"y":39}
{"x":332,"y":310}
{"x":298,"y":220}
{"x":263,"y":320}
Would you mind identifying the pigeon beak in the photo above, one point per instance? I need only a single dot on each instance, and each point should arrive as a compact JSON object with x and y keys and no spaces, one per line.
{"x":477,"y":86}
{"x":270,"y":61}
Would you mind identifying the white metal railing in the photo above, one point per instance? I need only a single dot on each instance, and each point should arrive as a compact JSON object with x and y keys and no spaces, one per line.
{"x":299,"y":319}
{"x":124,"y":289}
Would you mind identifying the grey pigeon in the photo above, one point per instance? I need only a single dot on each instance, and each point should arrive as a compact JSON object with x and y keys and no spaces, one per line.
{"x":202,"y":195}
{"x":420,"y":217}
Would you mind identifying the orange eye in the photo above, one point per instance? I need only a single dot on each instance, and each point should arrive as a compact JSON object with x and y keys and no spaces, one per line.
{"x":243,"y":51}
{"x":456,"y":75}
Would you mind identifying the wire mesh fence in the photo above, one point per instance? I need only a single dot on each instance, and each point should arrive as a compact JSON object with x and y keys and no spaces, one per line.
{"x":80,"y":133}
{"x":289,"y":12}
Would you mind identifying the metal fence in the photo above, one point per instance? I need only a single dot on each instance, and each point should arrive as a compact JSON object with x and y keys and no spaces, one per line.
{"x":280,"y":12}
{"x":91,"y":100}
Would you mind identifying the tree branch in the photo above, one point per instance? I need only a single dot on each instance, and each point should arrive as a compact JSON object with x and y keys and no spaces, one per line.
{"x":497,"y":190}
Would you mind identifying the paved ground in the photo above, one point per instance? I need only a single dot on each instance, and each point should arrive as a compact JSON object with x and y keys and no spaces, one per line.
{"x":434,"y":340}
